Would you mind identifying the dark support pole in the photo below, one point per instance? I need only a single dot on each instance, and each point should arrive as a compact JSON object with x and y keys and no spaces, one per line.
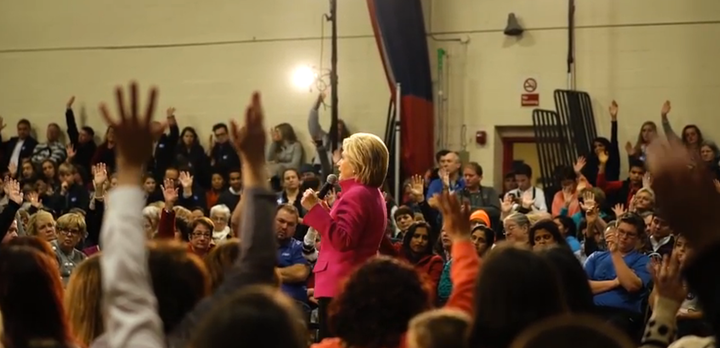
{"x":334,"y":78}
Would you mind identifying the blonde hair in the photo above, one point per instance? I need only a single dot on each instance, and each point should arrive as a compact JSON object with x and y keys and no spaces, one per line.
{"x":537,"y":216}
{"x":71,"y":220}
{"x":649,"y":191}
{"x":66,"y":169}
{"x":439,"y":328}
{"x":183,"y":213}
{"x":368,"y":156}
{"x":83,"y":301}
{"x":32,"y":223}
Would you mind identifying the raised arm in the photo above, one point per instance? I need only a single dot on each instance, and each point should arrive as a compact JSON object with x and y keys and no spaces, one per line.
{"x":667,"y":128}
{"x":131,"y":307}
{"x":72,"y":128}
{"x":314,"y":127}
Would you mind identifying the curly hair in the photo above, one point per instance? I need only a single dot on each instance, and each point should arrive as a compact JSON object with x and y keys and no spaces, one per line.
{"x":377,"y":302}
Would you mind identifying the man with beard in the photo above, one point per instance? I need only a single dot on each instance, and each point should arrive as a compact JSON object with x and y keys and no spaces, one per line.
{"x":292,"y":265}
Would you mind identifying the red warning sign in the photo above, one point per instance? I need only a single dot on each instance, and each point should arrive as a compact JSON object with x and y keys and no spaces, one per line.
{"x":530,"y":85}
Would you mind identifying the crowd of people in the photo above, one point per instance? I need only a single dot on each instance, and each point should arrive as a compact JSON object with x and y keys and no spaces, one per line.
{"x":149,"y":239}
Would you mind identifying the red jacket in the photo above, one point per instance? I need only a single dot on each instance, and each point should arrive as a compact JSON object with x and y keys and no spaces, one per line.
{"x":350,"y":233}
{"x":428,"y":265}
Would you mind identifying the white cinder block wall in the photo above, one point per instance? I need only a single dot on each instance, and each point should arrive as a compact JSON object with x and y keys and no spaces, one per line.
{"x":638,"y":52}
{"x":208,"y":56}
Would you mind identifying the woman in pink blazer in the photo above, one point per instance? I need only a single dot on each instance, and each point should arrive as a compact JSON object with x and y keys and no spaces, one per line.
{"x":352,"y":230}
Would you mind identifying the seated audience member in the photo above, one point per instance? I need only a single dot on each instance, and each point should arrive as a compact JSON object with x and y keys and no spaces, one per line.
{"x":31,"y":300}
{"x":201,"y":236}
{"x":439,"y":328}
{"x":619,"y":277}
{"x":621,"y":192}
{"x":509,"y":184}
{"x":572,"y":277}
{"x":517,"y":226}
{"x":71,"y":230}
{"x":220,"y":260}
{"x":220,"y":216}
{"x":323,"y":137}
{"x":217,"y":186}
{"x":403,"y":217}
{"x":602,"y":145}
{"x":480,"y":217}
{"x":52,"y":150}
{"x":545,"y":234}
{"x":568,"y":198}
{"x":480,"y":197}
{"x":292,"y":264}
{"x":192,"y":196}
{"x":662,"y":240}
{"x":527,"y":197}
{"x":231,"y":197}
{"x":223,"y":157}
{"x":83,"y":301}
{"x":285,"y":151}
{"x":71,"y":195}
{"x":501,"y":305}
{"x":451,"y":176}
{"x":82,"y":140}
{"x":42,"y":225}
{"x":568,"y":230}
{"x":417,"y":249}
{"x":18,"y":147}
{"x":572,"y":331}
{"x":484,"y":239}
{"x":689,"y":314}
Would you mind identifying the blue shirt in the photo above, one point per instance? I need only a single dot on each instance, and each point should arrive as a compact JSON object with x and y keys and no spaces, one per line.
{"x":599,"y":267}
{"x":289,"y":254}
{"x":436,"y":187}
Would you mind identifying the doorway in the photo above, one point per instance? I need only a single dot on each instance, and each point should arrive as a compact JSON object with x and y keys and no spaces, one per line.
{"x":519,"y":150}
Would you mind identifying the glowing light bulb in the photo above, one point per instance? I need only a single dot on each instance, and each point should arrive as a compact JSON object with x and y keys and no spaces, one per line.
{"x":304,"y":77}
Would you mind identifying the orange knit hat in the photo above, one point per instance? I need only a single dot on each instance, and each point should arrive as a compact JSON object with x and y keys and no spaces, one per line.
{"x":481,"y":215}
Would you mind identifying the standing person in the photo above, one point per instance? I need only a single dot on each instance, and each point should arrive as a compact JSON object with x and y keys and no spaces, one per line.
{"x":352,"y":231}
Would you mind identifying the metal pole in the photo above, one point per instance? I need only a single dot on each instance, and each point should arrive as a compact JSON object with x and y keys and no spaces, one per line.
{"x":398,"y":142}
{"x":571,"y":46}
{"x":334,"y":78}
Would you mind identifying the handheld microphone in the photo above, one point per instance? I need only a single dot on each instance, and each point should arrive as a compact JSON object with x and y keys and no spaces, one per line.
{"x":327,"y":186}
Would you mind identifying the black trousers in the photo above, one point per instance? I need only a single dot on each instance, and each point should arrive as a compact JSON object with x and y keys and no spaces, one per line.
{"x":324,"y":332}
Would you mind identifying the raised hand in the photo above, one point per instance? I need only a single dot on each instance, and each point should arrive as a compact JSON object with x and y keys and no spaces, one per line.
{"x":170,"y":193}
{"x":70,"y":149}
{"x":647,"y":180}
{"x":417,"y":186}
{"x":249,"y":140}
{"x":527,"y":200}
{"x":12,"y":190}
{"x":100,"y":174}
{"x":667,"y":278}
{"x":70,"y":102}
{"x":134,"y":133}
{"x":34,"y":200}
{"x":630,"y":149}
{"x":506,"y":204}
{"x":666,"y":107}
{"x":186,"y":180}
{"x":579,"y":164}
{"x":613,"y":110}
{"x":588,"y":201}
{"x":456,"y":215}
{"x":686,"y":189}
{"x":567,"y":196}
{"x":619,"y":210}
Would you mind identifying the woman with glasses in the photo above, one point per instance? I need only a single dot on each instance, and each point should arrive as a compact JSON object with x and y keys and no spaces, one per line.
{"x":201,"y":236}
{"x":71,"y":229}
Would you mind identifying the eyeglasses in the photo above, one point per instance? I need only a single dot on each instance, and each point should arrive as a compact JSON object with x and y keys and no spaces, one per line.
{"x":69,"y":231}
{"x":201,"y":235}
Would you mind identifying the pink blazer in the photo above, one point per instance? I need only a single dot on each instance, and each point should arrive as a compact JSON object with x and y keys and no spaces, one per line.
{"x":350,"y":234}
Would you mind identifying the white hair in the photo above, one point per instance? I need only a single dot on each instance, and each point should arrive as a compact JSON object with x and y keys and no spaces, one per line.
{"x":220,"y":209}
